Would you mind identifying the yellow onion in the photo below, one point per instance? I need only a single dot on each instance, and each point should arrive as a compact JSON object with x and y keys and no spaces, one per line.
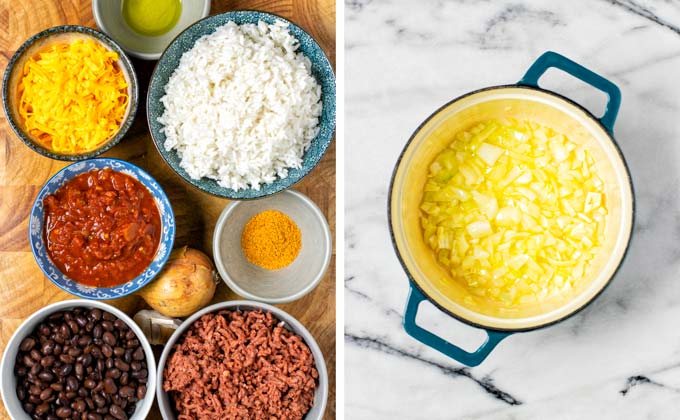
{"x":186,"y":284}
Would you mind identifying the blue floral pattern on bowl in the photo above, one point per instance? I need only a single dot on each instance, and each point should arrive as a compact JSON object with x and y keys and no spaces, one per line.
{"x":321,"y":70}
{"x":36,"y":224}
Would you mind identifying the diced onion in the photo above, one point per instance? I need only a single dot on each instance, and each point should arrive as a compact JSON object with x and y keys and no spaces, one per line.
{"x":515,"y":211}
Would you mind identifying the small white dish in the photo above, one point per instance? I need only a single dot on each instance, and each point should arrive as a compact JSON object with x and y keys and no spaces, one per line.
{"x":8,"y":381}
{"x":273,"y":286}
{"x":109,"y":17}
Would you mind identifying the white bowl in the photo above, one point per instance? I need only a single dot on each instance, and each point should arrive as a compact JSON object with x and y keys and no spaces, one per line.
{"x":109,"y":17}
{"x":273,"y":286}
{"x":8,"y":382}
{"x":165,"y":403}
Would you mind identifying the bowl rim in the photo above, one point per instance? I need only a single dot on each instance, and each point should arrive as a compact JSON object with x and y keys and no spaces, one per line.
{"x":163,"y":197}
{"x":402,"y":262}
{"x":246,"y":305}
{"x":233,"y":285}
{"x":286,"y":184}
{"x":122,"y":58}
{"x":101,"y":23}
{"x":21,"y":332}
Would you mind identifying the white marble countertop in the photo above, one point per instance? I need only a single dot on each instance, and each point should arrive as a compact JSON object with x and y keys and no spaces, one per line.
{"x":617,"y":359}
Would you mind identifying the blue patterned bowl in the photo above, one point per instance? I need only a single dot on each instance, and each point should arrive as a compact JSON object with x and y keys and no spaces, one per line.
{"x":37,"y":221}
{"x":321,"y":69}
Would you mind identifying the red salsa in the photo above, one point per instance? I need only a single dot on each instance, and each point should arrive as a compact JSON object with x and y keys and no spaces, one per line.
{"x":102,"y":228}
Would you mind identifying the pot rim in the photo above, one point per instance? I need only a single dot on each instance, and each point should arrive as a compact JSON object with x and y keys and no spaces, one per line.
{"x":414,"y":284}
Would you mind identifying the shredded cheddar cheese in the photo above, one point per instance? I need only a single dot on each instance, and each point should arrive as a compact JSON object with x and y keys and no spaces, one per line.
{"x":73,"y":97}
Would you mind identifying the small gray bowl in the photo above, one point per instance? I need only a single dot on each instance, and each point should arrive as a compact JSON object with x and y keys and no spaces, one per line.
{"x":109,"y":17}
{"x":273,"y":286}
{"x":48,"y":37}
{"x":167,"y":406}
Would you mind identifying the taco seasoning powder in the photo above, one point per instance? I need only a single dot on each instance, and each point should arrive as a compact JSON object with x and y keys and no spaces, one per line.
{"x":271,"y":240}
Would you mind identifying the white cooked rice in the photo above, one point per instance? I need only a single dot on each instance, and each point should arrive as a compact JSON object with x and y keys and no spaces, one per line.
{"x":242,"y":107}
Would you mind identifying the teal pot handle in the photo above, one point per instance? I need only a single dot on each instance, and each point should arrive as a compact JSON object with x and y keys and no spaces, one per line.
{"x":470,"y":359}
{"x":552,"y":59}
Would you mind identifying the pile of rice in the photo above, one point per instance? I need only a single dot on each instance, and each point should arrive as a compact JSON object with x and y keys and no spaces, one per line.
{"x":242,"y":107}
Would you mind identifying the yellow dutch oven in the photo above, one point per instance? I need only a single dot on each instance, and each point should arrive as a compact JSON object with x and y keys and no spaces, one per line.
{"x":523,"y":101}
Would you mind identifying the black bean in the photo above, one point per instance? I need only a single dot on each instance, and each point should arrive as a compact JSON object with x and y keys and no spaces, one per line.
{"x":118,"y":351}
{"x":120,"y":324}
{"x":107,"y":350}
{"x":93,"y":416}
{"x":79,"y":405}
{"x":135,"y":366}
{"x":84,"y":340}
{"x":66,"y":358}
{"x":107,"y":325}
{"x":86,"y":360}
{"x":64,"y":332}
{"x":117,"y":412}
{"x":21,"y":394}
{"x":81,"y":320}
{"x":73,"y":326}
{"x":29,"y":408}
{"x":89,"y":326}
{"x":108,"y":316}
{"x":57,"y":349}
{"x":99,"y":400}
{"x":113,"y":373}
{"x":140,"y":374}
{"x":71,"y":395}
{"x":57,"y":386}
{"x":46,"y":394}
{"x":46,"y":376}
{"x":97,"y":331}
{"x":96,"y":352}
{"x":101,"y":365}
{"x":65,"y":370}
{"x":47,"y":361}
{"x":74,"y":351}
{"x":34,"y":390}
{"x":80,"y":371}
{"x":126,"y":391}
{"x":109,"y":386}
{"x":20,"y":371}
{"x":89,"y":383}
{"x":109,"y":338}
{"x":121,"y":365}
{"x":95,"y":314}
{"x":71,"y":384}
{"x":35,"y":370}
{"x":138,"y":354}
{"x":47,"y":347}
{"x":28,"y":361}
{"x":27,"y":344}
{"x":44,"y":329}
{"x":34,"y":399}
{"x":35,"y":355}
{"x":63,"y":412}
{"x":124,"y":378}
{"x":128,"y":355}
{"x":42,"y":408}
{"x":82,"y":393}
{"x":130,"y":335}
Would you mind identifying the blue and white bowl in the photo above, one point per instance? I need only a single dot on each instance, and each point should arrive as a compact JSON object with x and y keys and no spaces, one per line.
{"x":37,"y":222}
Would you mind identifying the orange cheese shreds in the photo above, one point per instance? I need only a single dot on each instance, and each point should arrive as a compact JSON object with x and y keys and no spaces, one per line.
{"x":73,"y":97}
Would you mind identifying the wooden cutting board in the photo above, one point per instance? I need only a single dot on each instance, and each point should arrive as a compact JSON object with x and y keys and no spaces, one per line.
{"x":24,"y":289}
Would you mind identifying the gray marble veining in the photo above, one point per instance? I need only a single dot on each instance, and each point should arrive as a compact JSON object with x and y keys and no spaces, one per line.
{"x":617,"y":359}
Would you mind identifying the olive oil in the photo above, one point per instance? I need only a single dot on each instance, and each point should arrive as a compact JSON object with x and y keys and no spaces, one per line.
{"x":151,"y":17}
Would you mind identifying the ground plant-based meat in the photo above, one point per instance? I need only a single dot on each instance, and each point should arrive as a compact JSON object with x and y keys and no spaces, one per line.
{"x":241,"y":365}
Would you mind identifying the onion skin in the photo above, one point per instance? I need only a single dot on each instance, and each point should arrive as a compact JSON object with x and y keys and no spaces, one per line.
{"x":186,"y":284}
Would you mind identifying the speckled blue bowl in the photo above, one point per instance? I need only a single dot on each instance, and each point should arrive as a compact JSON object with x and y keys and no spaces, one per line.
{"x":47,"y":37}
{"x":37,"y":221}
{"x":321,"y":69}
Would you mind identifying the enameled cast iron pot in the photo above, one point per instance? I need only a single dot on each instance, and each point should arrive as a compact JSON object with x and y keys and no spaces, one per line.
{"x":523,"y":101}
